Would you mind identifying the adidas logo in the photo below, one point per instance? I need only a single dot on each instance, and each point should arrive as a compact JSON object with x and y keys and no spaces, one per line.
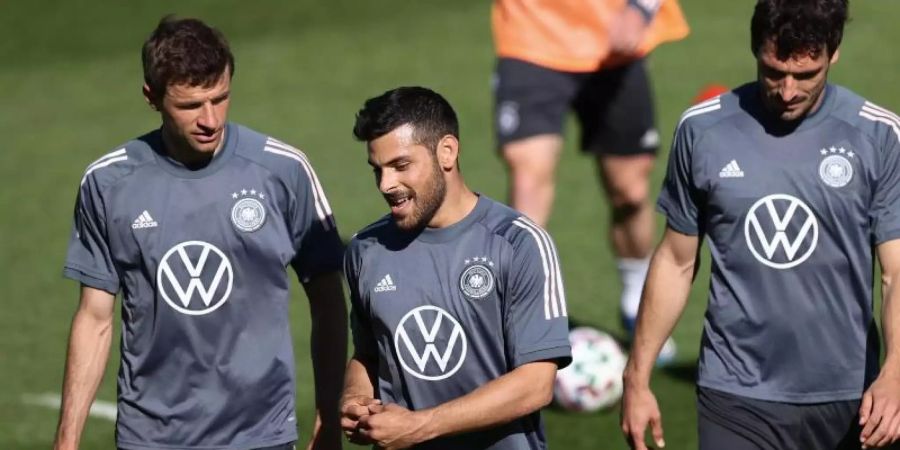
{"x":144,"y":221}
{"x":386,"y":284}
{"x":731,"y":170}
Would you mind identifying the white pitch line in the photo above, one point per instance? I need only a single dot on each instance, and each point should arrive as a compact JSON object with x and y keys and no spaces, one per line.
{"x":100,"y":409}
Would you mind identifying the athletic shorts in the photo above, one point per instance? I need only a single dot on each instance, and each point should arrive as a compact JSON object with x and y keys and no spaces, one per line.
{"x":614,"y":106}
{"x":732,"y":422}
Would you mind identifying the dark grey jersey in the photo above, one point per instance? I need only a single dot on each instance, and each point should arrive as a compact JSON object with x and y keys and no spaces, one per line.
{"x":791,"y":216}
{"x":200,"y":259}
{"x":447,"y":310}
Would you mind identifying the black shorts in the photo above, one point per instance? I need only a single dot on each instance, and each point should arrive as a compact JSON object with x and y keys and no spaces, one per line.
{"x":727,"y":421}
{"x":614,"y":106}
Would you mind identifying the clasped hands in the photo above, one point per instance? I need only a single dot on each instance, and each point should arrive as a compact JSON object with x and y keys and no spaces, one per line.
{"x":367,"y":421}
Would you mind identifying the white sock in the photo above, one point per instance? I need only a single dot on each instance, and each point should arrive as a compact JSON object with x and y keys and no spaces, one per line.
{"x":632,"y":272}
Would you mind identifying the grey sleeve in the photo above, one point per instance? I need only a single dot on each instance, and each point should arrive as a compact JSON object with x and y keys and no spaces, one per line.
{"x":536,"y":322}
{"x":314,"y":233}
{"x":360,"y":327}
{"x":88,"y":259}
{"x":678,"y":196}
{"x":884,"y":214}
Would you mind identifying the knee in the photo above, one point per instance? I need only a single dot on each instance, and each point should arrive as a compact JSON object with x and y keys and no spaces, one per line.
{"x":527,"y":174}
{"x":629,"y":196}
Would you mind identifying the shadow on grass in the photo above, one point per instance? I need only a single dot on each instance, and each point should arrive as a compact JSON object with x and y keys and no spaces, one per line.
{"x":679,"y":370}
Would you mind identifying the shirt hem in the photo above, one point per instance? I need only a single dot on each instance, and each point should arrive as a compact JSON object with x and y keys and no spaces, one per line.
{"x":126,"y":445}
{"x":673,"y":222}
{"x":562,"y":355}
{"x":88,"y":279}
{"x":785,"y":397}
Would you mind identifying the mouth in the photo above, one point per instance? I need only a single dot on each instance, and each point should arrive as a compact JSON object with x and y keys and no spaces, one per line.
{"x":398,"y":203}
{"x":206,"y":138}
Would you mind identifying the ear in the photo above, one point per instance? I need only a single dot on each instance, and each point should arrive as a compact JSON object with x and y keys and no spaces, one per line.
{"x":448,"y":152}
{"x":836,"y":56}
{"x":151,"y":98}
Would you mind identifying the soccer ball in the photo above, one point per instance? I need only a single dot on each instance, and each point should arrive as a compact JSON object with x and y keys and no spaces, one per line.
{"x":593,"y":380}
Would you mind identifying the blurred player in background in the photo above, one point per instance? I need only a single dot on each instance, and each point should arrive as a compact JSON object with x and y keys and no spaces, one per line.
{"x":194,"y":223}
{"x":795,"y":185}
{"x":588,"y":57}
{"x":459,"y":313}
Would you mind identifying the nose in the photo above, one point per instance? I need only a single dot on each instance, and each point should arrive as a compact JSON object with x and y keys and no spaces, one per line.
{"x":788,"y":89}
{"x":386,"y":181}
{"x":208,"y":118}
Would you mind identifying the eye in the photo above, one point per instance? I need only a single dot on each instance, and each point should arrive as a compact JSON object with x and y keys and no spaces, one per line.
{"x":401,"y":166}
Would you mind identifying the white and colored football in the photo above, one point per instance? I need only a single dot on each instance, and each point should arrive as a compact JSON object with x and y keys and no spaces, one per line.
{"x":593,"y":380}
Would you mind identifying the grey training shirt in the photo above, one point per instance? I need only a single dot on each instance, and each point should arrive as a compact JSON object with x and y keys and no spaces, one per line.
{"x":200,"y":258}
{"x":791,"y":216}
{"x":447,"y":310}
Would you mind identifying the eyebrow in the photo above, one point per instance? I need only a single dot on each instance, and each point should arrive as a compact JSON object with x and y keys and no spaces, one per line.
{"x":215,"y":99}
{"x":389,"y":163}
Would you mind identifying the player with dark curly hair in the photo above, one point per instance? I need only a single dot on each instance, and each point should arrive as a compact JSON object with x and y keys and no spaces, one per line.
{"x":795,"y":184}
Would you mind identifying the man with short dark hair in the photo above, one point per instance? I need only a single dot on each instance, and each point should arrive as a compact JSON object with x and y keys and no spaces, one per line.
{"x":459,"y":314}
{"x":795,"y":184}
{"x":195,"y":223}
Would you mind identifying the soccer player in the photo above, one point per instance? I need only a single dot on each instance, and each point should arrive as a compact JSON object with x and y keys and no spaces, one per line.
{"x":588,"y":57}
{"x":795,"y":184}
{"x":195,"y":223}
{"x":458,"y":310}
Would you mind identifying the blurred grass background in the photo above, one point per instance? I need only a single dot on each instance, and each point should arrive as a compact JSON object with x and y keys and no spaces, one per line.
{"x":70,"y":81}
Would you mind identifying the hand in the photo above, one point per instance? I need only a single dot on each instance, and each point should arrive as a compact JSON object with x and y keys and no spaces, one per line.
{"x":352,"y":410}
{"x":639,"y":409}
{"x":394,"y":427}
{"x":879,"y":413}
{"x":626,"y":31}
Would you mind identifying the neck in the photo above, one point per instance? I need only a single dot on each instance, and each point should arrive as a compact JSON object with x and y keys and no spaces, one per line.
{"x":185,"y":154}
{"x":459,"y":201}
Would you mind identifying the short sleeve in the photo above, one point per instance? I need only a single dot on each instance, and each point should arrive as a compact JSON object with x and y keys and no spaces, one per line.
{"x":678,"y":196}
{"x":89,"y":259}
{"x":536,"y":322}
{"x":360,"y":326}
{"x":317,"y":245}
{"x":884,"y":213}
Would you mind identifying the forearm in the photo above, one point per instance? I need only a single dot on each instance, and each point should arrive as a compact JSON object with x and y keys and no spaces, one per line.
{"x":516,"y":394}
{"x":890,"y":323}
{"x":358,"y":380}
{"x":328,"y":344}
{"x":89,"y":343}
{"x":664,"y":299}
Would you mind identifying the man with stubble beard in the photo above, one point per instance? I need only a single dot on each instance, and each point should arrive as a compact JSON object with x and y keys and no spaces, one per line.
{"x":459,"y":316}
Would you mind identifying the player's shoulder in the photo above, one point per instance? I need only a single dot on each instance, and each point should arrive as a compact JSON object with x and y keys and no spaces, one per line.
{"x":513,"y":226}
{"x":870,"y":118}
{"x":278,"y":157}
{"x":715,"y":110}
{"x":121,"y":161}
{"x":371,"y":235}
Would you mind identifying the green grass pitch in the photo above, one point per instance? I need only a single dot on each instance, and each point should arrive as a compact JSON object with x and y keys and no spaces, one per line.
{"x":70,"y":82}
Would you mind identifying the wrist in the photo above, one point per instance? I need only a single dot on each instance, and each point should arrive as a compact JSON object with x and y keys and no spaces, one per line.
{"x":429,"y":428}
{"x":634,"y":378}
{"x":890,"y":369}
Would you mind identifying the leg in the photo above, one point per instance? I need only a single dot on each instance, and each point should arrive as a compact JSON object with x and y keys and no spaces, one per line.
{"x":616,"y":112}
{"x":532,"y":170}
{"x":530,"y":105}
{"x":626,"y":181}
